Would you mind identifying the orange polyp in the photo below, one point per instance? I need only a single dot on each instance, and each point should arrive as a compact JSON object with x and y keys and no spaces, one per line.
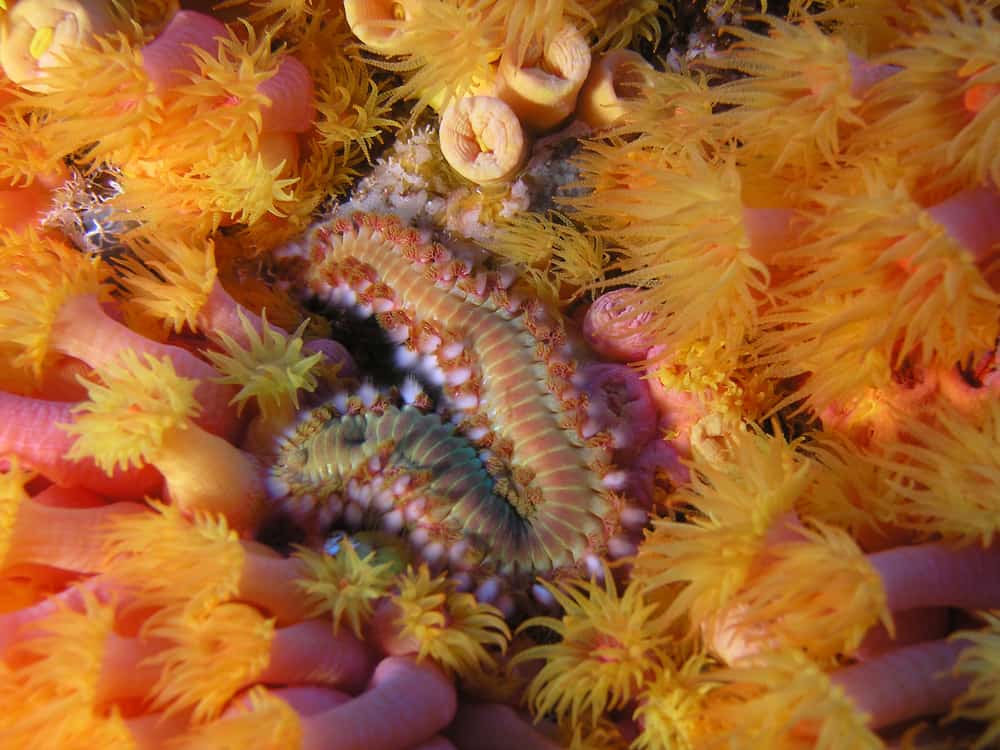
{"x":978,"y":97}
{"x":21,"y":206}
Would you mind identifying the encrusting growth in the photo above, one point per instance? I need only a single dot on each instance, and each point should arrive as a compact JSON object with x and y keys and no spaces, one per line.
{"x":482,"y":139}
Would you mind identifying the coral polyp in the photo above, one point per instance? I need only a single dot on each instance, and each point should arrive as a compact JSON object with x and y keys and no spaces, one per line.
{"x":496,"y":474}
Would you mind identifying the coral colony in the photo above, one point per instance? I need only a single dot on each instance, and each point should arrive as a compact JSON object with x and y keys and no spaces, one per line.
{"x":487,"y":374}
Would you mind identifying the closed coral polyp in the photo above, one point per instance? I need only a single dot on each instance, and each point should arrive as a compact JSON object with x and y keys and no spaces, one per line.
{"x":482,"y":139}
{"x":614,"y":80}
{"x":35,"y":32}
{"x":378,"y":23}
{"x":542,"y":89}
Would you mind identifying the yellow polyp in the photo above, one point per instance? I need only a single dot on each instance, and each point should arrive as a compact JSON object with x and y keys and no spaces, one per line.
{"x":41,"y":40}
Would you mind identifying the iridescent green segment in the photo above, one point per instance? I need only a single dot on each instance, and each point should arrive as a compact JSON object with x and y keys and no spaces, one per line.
{"x":445,"y":470}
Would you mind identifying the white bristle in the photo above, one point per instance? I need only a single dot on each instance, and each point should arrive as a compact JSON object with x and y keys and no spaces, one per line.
{"x":419,"y":536}
{"x":615,"y":480}
{"x":467,"y":401}
{"x":405,"y":357}
{"x":276,"y":487}
{"x":452,"y":350}
{"x":353,"y":515}
{"x":367,"y":393}
{"x":398,"y":334}
{"x":619,"y":546}
{"x":347,"y":295}
{"x":594,"y":567}
{"x":433,"y":552}
{"x":633,"y":517}
{"x":488,"y":590}
{"x":506,"y":277}
{"x":428,"y":343}
{"x":410,"y":390}
{"x":589,"y":428}
{"x":506,"y":605}
{"x":475,"y":434}
{"x":543,"y":596}
{"x":415,"y":509}
{"x":457,"y":552}
{"x":340,"y":401}
{"x":619,"y":437}
{"x":384,"y":500}
{"x":458,"y":376}
{"x":392,"y":522}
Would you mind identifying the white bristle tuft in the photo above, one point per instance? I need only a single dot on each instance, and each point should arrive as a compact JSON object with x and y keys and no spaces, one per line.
{"x":633,"y":517}
{"x":452,"y":350}
{"x":405,"y":357}
{"x":354,"y":515}
{"x":410,"y":390}
{"x":619,"y":547}
{"x":276,"y":487}
{"x":594,"y":567}
{"x":467,"y":401}
{"x":488,"y":590}
{"x":419,"y":537}
{"x":433,"y":552}
{"x":543,"y":596}
{"x":398,"y":334}
{"x":458,"y":376}
{"x":615,"y":480}
{"x":392,"y":522}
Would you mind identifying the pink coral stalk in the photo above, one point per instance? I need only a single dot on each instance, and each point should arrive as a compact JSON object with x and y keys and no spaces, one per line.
{"x":67,"y":538}
{"x":972,"y":218}
{"x":679,"y":410}
{"x":69,"y":497}
{"x":25,"y":205}
{"x":912,"y":626}
{"x":208,"y":564}
{"x":494,"y":726}
{"x":406,"y":704}
{"x":311,"y":699}
{"x":15,"y":625}
{"x":174,"y":663}
{"x":290,"y":91}
{"x":904,"y":684}
{"x":85,"y":331}
{"x":221,"y":313}
{"x":929,"y":575}
{"x":170,"y":57}
{"x":435,"y":743}
{"x":28,"y":430}
{"x":856,"y":590}
{"x":310,"y":652}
